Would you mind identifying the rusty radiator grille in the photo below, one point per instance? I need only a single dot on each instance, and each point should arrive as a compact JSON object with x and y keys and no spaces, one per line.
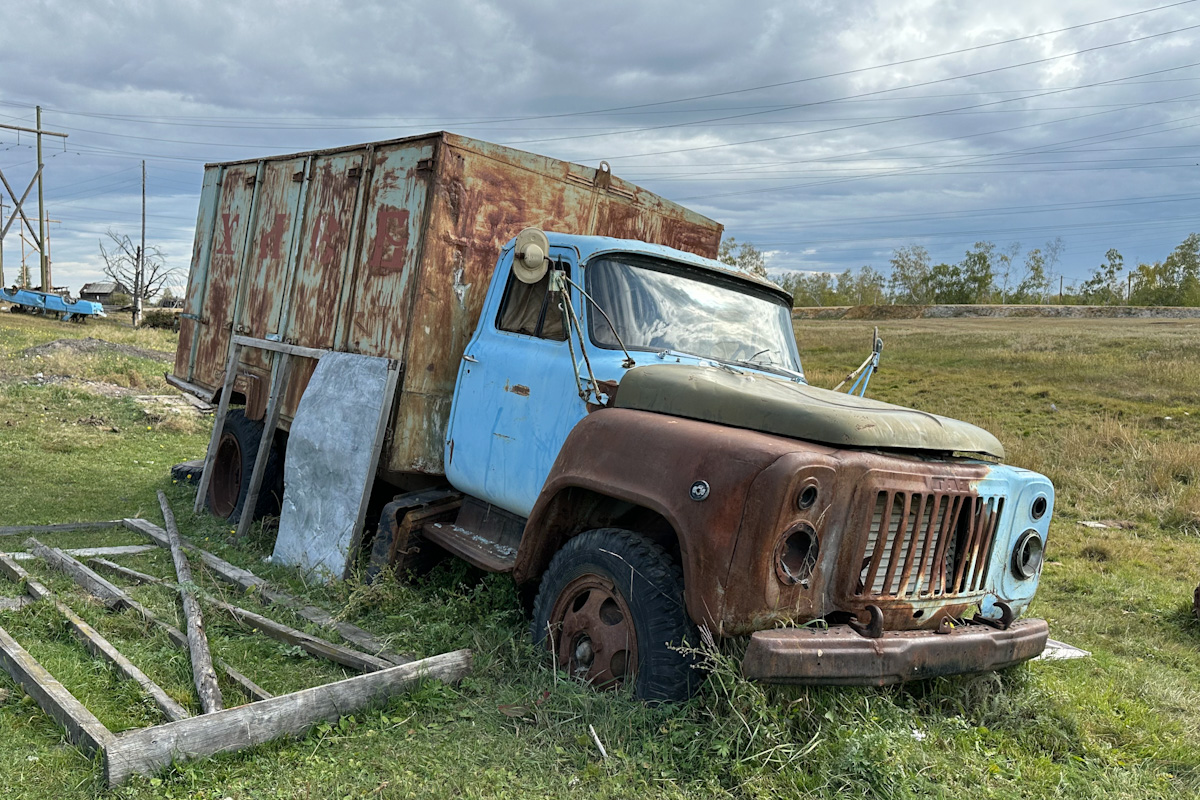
{"x":928,"y":545}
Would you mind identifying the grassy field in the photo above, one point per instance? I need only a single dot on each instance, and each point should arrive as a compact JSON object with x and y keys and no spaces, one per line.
{"x":1107,"y":409}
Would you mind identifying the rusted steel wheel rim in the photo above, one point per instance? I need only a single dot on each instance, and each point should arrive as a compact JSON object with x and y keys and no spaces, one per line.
{"x":595,"y":639}
{"x":226,"y":483}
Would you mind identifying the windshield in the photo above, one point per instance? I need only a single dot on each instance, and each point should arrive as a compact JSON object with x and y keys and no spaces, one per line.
{"x":656,"y":305}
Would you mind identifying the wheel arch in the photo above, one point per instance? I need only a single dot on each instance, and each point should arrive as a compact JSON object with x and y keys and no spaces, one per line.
{"x":576,"y":508}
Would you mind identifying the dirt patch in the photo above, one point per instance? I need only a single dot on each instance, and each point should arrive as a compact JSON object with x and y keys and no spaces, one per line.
{"x":93,"y":345}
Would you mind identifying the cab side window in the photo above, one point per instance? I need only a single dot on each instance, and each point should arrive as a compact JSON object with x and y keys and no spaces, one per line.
{"x":529,"y":308}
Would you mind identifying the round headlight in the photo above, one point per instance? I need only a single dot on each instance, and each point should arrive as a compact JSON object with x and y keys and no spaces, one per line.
{"x":1027,"y":556}
{"x":796,"y":555}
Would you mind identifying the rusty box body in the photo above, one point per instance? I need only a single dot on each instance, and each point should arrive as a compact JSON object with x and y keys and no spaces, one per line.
{"x":385,"y":249}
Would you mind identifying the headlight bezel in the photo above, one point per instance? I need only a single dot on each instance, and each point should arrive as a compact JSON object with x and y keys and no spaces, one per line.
{"x":1028,"y":555}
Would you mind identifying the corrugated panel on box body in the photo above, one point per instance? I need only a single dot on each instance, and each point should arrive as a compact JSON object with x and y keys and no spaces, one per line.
{"x":387,"y":249}
{"x":225,"y":263}
{"x":189,"y":320}
{"x":261,"y":301}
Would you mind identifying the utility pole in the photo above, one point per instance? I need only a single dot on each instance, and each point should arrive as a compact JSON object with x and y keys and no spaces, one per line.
{"x":139,"y":275}
{"x":49,"y":254}
{"x":2,"y":241}
{"x":18,"y":210}
{"x":46,"y":287}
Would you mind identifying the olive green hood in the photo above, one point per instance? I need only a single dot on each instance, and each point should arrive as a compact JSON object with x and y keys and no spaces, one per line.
{"x":775,"y":405}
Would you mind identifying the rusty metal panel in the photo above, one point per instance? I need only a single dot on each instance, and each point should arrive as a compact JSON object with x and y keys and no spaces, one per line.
{"x":576,"y":199}
{"x":837,"y":656}
{"x":647,"y":217}
{"x":230,"y":224}
{"x":189,"y":327}
{"x":393,"y":212}
{"x":265,"y":276}
{"x":322,"y":261}
{"x":324,"y":249}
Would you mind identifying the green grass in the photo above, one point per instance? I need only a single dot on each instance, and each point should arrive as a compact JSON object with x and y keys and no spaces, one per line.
{"x":1086,"y":402}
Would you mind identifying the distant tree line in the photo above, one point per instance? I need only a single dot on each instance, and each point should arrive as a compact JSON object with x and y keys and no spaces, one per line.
{"x":991,"y":274}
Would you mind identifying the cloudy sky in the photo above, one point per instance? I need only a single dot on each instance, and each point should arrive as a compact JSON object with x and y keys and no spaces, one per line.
{"x":827,"y":133}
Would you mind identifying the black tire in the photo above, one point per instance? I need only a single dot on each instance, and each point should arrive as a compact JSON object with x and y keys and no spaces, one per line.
{"x":233,"y":465}
{"x":649,"y":584}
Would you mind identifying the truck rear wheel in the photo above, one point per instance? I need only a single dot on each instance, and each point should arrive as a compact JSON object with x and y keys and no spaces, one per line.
{"x":233,"y":465}
{"x":610,"y":609}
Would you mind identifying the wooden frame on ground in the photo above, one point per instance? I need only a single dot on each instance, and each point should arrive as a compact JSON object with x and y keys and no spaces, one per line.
{"x":186,"y":738}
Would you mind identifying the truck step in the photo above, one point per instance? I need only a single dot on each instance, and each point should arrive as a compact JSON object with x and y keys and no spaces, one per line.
{"x":470,"y":546}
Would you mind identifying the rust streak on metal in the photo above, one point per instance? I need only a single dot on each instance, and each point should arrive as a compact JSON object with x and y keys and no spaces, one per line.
{"x":913,"y":543}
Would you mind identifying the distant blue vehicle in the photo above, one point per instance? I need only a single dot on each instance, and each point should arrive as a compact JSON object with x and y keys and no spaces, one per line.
{"x":29,"y":301}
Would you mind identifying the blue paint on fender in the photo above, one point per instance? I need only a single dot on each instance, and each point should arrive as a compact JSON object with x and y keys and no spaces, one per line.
{"x":1020,"y":488}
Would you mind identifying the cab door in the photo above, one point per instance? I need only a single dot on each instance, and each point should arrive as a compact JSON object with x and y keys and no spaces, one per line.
{"x":517,"y":394}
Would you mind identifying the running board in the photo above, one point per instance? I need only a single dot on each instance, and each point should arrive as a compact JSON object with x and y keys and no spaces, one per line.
{"x":471,"y":547}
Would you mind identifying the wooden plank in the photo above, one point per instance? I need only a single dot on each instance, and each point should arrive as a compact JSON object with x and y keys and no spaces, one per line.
{"x":218,"y":426}
{"x":385,"y":416}
{"x":279,"y":381}
{"x":13,"y":603}
{"x":125,"y":572}
{"x":199,"y":392}
{"x":280,"y":347}
{"x":248,"y":581}
{"x":276,"y":630}
{"x":203,"y":674}
{"x":311,"y":644}
{"x":252,"y":689}
{"x":81,"y":725}
{"x":89,"y":580}
{"x":61,"y":527}
{"x":96,"y":644}
{"x":148,"y":750}
{"x":116,"y":598}
{"x":88,"y":552}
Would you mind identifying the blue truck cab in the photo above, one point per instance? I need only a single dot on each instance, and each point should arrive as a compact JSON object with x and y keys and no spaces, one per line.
{"x":635,"y":441}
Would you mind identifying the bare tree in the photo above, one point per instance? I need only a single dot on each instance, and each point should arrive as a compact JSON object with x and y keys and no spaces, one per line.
{"x":144,"y":274}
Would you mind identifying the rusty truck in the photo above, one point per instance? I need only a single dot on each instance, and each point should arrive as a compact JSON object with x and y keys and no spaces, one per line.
{"x":590,"y":402}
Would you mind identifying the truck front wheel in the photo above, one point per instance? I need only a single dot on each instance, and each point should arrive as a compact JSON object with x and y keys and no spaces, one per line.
{"x":610,"y":609}
{"x":233,"y":465}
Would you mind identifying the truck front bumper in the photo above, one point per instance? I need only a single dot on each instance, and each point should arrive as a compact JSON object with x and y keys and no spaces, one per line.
{"x":839,"y":656}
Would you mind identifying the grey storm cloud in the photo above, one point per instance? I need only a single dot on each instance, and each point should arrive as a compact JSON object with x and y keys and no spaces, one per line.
{"x":775,"y":118}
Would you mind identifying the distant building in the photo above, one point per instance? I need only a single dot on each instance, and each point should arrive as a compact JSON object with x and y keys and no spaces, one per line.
{"x":102,"y":291}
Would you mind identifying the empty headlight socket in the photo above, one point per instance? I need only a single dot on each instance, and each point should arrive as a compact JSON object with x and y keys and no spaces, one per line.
{"x":1027,"y":555}
{"x":807,"y":496}
{"x":1038,"y":509}
{"x":796,"y":554}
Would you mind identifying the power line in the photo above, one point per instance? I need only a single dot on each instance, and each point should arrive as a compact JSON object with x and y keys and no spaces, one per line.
{"x":862,"y":94}
{"x":963,"y":159}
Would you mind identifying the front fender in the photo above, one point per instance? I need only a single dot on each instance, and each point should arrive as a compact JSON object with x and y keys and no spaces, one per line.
{"x":653,"y":460}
